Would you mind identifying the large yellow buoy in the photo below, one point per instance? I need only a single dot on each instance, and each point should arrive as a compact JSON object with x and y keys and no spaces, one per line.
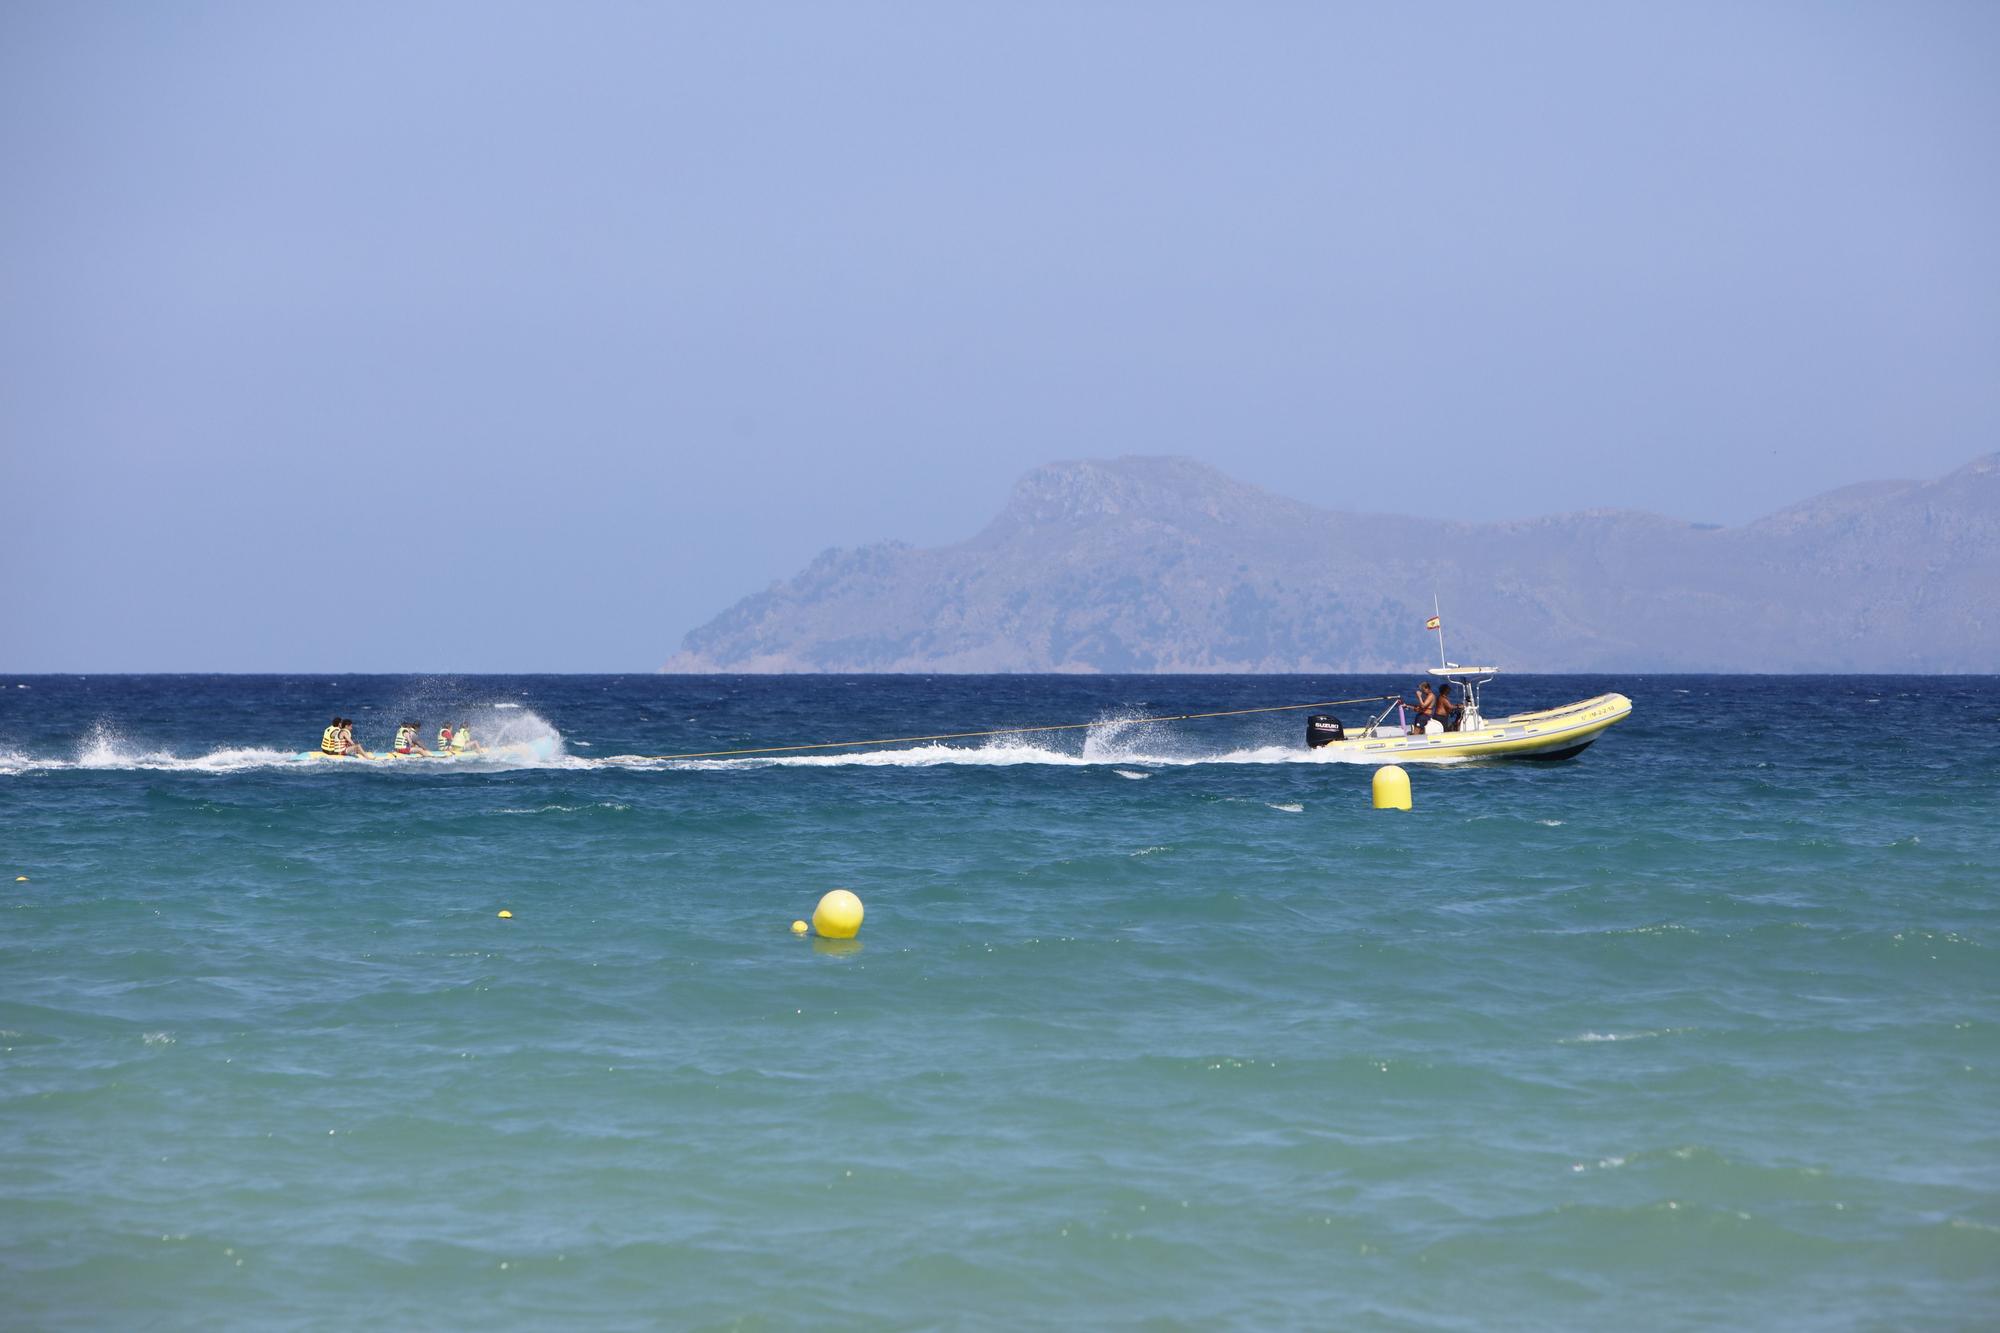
{"x":838,"y":916}
{"x":1392,"y":788}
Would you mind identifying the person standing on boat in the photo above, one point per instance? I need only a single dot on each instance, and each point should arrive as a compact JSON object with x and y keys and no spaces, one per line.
{"x":1426,"y":704}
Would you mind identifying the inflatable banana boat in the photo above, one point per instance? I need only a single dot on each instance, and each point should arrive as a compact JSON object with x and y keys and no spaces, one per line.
{"x":531,"y":752}
{"x":379,"y":754}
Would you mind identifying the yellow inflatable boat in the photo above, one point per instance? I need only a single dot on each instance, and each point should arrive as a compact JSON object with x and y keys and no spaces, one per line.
{"x":1550,"y":733}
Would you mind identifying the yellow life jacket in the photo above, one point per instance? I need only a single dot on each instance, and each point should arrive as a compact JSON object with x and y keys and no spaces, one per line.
{"x":461,"y":738}
{"x":444,"y":738}
{"x":406,"y":738}
{"x":330,"y":742}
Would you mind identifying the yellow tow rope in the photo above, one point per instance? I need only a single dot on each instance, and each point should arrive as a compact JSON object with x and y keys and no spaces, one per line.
{"x":1017,"y":731}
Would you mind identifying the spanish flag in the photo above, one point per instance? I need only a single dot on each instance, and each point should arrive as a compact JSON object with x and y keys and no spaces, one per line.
{"x":1432,"y":623}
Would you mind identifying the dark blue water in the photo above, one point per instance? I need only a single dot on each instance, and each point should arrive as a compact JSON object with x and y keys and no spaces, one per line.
{"x":1152,"y":1025}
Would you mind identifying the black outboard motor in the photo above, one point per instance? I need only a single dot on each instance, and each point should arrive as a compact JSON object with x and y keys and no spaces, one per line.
{"x":1322,"y":728}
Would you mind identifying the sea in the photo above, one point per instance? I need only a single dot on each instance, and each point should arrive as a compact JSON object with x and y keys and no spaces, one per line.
{"x":1149,"y":1025}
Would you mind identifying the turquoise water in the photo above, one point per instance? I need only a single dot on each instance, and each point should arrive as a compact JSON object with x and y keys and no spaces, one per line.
{"x":1153,"y":1026}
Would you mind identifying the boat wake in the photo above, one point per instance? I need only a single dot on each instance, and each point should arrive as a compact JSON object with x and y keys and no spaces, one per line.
{"x":513,"y":740}
{"x":521,"y":739}
{"x":1008,"y":755}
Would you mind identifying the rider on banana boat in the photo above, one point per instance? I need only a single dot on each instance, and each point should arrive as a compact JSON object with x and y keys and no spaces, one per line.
{"x":348,"y":743}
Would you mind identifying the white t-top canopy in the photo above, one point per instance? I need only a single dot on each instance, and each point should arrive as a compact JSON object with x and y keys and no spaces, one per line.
{"x":1456,"y":670}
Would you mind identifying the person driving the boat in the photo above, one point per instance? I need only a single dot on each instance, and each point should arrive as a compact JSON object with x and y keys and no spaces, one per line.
{"x":1444,"y":708}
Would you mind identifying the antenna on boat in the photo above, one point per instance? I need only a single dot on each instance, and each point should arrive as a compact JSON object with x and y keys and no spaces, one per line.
{"x":1437,"y":623}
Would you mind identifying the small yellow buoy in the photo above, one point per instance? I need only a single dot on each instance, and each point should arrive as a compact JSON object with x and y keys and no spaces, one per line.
{"x":506,"y":915}
{"x":798,"y":927}
{"x":838,"y":915}
{"x":20,"y":879}
{"x":1392,"y":788}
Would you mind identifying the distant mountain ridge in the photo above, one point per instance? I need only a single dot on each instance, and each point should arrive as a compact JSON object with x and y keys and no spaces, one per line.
{"x":1164,"y":564}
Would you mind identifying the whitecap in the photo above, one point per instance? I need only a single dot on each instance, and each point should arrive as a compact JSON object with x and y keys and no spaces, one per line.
{"x":1587,"y":1038}
{"x":1289,"y":807}
{"x":1603,"y":1164}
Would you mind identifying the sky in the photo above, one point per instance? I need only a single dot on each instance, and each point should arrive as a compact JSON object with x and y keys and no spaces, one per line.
{"x":496,"y":337}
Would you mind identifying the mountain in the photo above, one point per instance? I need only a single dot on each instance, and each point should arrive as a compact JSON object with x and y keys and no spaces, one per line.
{"x":1165,"y":564}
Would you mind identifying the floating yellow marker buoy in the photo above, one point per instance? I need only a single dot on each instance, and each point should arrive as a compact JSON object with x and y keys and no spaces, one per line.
{"x":798,"y":927}
{"x":838,"y":915}
{"x":1392,"y":788}
{"x":506,"y":915}
{"x":20,"y":879}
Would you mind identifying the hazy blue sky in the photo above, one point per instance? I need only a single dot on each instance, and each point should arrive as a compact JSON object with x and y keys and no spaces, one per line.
{"x":498,"y":337}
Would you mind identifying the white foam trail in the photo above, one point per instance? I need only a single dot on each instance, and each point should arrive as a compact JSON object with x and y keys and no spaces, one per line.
{"x":1116,"y":740}
{"x":162,"y":761}
{"x":517,"y":737}
{"x":1015,"y":753}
